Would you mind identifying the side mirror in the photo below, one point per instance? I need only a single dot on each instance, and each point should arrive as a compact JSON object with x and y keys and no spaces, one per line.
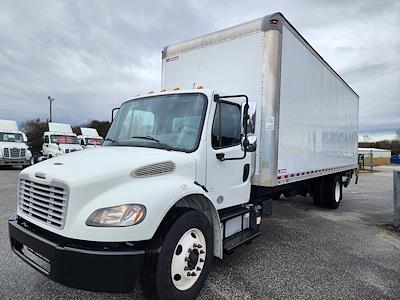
{"x":249,"y":122}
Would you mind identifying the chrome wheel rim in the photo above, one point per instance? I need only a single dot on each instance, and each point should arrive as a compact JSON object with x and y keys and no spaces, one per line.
{"x":188,"y":259}
{"x":337,"y":192}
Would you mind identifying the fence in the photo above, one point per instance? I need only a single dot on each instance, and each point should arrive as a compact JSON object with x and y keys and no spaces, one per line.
{"x":396,"y":198}
{"x":366,"y":160}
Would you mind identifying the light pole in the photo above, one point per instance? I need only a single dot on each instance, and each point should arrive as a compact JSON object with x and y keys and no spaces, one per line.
{"x":50,"y":100}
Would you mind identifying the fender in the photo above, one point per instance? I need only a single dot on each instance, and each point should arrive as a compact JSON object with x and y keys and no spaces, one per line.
{"x":196,"y":198}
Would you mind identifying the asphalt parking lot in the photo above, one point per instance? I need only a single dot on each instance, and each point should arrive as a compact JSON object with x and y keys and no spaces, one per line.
{"x":304,"y":252}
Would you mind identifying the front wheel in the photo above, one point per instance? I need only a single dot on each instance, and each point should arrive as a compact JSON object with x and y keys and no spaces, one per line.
{"x":180,"y":266}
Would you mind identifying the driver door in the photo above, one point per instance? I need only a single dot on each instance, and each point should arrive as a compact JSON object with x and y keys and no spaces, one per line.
{"x":228,"y":181}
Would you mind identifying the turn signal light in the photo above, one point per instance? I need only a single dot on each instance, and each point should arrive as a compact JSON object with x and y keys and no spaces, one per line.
{"x":151,"y":92}
{"x":199,"y":87}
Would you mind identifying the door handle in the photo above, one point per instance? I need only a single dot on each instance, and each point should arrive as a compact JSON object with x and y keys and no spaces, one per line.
{"x":220,"y":156}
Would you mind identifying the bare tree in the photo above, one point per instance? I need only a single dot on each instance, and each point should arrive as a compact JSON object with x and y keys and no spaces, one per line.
{"x":366,"y":138}
{"x":398,"y":134}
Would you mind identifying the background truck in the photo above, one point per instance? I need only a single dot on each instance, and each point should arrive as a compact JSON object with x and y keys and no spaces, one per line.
{"x":60,"y":139}
{"x":184,"y":173}
{"x":90,"y":138}
{"x":13,"y":145}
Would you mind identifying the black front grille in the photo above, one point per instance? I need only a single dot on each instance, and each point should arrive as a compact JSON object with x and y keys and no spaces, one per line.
{"x":14,"y":153}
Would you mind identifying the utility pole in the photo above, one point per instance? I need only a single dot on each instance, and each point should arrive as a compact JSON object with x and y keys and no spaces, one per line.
{"x":50,"y":100}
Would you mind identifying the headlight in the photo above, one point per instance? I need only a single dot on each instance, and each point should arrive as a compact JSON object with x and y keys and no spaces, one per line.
{"x":28,"y":154}
{"x":122,"y":215}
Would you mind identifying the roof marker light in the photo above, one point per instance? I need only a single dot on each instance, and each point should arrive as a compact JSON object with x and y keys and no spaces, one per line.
{"x":163,"y":90}
{"x":199,"y":87}
{"x":151,"y":92}
{"x":274,"y":21}
{"x":177,"y":88}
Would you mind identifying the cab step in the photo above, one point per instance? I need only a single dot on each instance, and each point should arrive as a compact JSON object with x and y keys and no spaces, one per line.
{"x":239,"y":239}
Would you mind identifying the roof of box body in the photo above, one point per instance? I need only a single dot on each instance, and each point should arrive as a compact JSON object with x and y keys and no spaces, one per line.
{"x":257,"y":25}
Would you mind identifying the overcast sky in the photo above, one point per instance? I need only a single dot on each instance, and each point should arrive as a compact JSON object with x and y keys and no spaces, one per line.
{"x":92,"y":55}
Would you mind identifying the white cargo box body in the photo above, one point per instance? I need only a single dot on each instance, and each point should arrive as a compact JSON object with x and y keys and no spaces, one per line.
{"x":307,"y":115}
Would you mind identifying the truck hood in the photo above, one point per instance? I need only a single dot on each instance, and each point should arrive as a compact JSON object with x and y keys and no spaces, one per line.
{"x":108,"y":165}
{"x":70,"y":146}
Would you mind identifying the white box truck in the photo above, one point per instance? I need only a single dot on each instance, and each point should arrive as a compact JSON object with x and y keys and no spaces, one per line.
{"x":60,"y":139}
{"x":90,"y":138}
{"x":13,"y":145}
{"x":184,"y":172}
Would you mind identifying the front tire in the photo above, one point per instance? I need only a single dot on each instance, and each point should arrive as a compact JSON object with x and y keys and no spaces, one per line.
{"x":180,"y":259}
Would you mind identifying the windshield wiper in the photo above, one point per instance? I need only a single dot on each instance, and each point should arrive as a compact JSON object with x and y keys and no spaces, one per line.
{"x":112,"y":141}
{"x":148,"y":137}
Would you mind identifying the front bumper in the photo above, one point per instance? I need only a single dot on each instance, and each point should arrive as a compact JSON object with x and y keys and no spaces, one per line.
{"x":14,"y":161}
{"x":92,"y":266}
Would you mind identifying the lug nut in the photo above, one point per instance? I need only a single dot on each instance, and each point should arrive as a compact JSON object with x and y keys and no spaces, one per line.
{"x":189,"y":274}
{"x":193,"y":274}
{"x":198,"y":269}
{"x":201,"y":260}
{"x":190,"y":250}
{"x":186,"y":258}
{"x":201,"y":252}
{"x":186,"y":268}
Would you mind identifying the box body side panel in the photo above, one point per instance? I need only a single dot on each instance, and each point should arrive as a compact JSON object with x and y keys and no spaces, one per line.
{"x":318,"y":118}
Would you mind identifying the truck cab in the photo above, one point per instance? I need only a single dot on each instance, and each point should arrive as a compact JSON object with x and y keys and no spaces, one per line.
{"x":59,"y":140}
{"x":90,"y":138}
{"x":13,"y":145}
{"x":166,"y":157}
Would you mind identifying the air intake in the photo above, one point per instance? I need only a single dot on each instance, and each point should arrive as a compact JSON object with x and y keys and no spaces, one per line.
{"x":156,"y":169}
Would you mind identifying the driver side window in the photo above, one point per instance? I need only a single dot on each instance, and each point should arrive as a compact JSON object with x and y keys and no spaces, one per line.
{"x":226,"y":131}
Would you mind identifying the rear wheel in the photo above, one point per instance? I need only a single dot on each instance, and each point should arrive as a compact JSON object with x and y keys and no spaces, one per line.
{"x":180,"y":266}
{"x":333,"y":191}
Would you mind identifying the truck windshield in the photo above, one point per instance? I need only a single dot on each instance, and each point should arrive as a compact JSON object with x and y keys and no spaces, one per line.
{"x":64,"y":139}
{"x":170,"y":122}
{"x":93,"y":141}
{"x":11,"y":137}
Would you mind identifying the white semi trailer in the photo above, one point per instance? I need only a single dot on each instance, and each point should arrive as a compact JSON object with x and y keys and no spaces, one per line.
{"x":13,"y":145}
{"x":184,"y":173}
